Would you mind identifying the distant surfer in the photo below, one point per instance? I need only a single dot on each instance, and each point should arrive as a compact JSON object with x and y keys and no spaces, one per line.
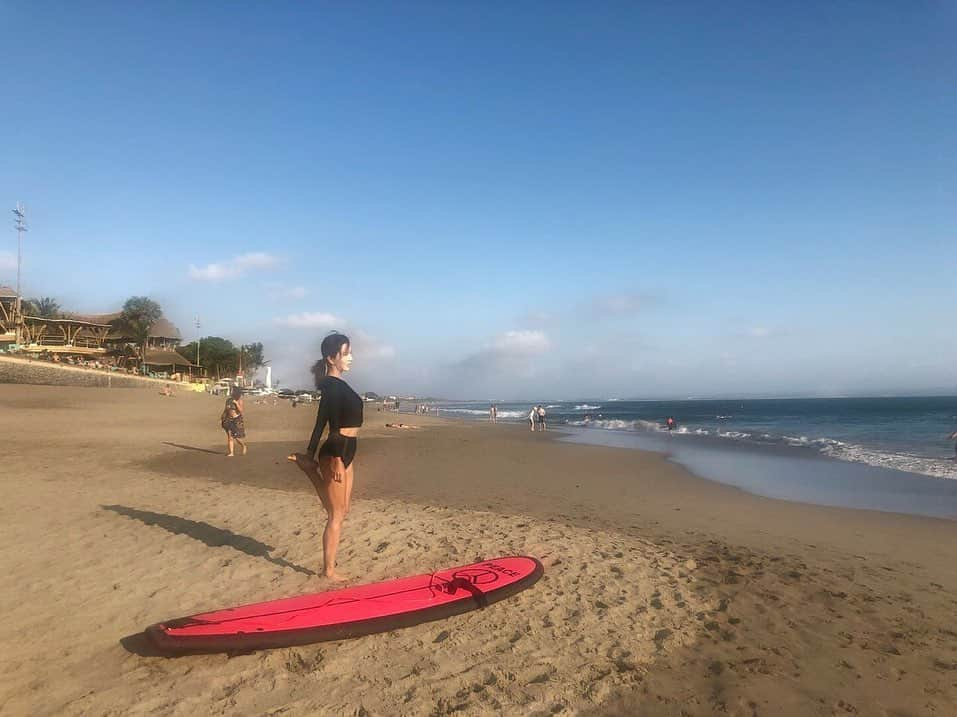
{"x":332,"y":476}
{"x":670,"y":423}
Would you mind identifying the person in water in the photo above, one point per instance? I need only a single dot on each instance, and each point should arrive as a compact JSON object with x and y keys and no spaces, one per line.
{"x":953,"y":437}
{"x":233,"y":422}
{"x":670,"y":423}
{"x":332,"y":475}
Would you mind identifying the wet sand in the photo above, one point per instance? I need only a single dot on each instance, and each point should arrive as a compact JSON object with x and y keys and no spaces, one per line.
{"x":663,"y":593}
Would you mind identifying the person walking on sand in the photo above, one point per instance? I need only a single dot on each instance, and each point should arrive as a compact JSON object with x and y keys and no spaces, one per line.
{"x":532,"y":418}
{"x":233,"y":422}
{"x":542,"y":425}
{"x":332,"y":476}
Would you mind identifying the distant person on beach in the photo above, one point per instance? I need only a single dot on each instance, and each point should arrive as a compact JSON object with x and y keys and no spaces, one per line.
{"x":953,"y":437}
{"x":670,"y":423}
{"x":532,"y":418}
{"x":332,"y":476}
{"x":232,"y":421}
{"x":542,"y":426}
{"x":492,"y":413}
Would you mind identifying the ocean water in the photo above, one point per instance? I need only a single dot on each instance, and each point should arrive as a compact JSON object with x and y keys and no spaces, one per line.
{"x":886,"y":454}
{"x":902,"y":434}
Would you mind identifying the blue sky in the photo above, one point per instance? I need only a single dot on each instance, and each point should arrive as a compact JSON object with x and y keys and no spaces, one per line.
{"x":530,"y":200}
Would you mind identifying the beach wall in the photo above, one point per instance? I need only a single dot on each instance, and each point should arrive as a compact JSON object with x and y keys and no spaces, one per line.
{"x":18,"y":370}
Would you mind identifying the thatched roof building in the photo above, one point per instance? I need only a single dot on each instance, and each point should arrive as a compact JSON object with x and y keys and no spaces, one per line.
{"x":163,"y":332}
{"x":8,"y":302}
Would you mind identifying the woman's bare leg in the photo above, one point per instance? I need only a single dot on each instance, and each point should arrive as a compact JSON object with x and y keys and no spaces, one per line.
{"x":242,"y":444}
{"x":229,"y":444}
{"x":308,"y":466}
{"x":350,"y":474}
{"x":336,"y":495}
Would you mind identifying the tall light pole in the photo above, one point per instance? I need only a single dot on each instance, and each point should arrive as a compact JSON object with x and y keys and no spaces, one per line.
{"x":20,"y":214}
{"x":197,"y":341}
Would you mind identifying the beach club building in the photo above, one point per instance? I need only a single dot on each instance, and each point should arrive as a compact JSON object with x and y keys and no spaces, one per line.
{"x":8,"y":316}
{"x":93,"y":337}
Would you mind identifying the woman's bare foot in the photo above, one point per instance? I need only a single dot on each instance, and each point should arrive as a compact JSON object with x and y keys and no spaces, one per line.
{"x":306,"y":464}
{"x":335,"y":577}
{"x":229,"y":455}
{"x":245,"y":447}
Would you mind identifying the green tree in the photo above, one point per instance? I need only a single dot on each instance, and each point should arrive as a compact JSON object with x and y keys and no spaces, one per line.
{"x":45,"y":307}
{"x":220,"y":356}
{"x":136,"y":319}
{"x":252,"y":357}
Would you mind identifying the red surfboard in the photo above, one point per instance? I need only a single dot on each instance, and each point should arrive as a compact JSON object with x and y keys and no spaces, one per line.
{"x":349,"y":612}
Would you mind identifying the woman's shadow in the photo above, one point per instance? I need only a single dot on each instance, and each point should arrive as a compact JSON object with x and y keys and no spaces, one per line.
{"x":205,"y":533}
{"x":192,"y":448}
{"x":208,"y":534}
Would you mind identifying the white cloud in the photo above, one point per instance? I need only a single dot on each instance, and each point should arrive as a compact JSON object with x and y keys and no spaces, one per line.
{"x":368,"y":347}
{"x":256,"y":260}
{"x":537,"y":318}
{"x":528,"y":343}
{"x":505,"y":350}
{"x":764,"y":332}
{"x":278,"y":291}
{"x":312,"y":320}
{"x":8,"y":260}
{"x":364,"y":345}
{"x":619,"y":305}
{"x":233,"y":268}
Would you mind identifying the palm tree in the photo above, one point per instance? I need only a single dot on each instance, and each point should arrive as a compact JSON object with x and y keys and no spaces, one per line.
{"x":135,"y":321}
{"x":46,"y":307}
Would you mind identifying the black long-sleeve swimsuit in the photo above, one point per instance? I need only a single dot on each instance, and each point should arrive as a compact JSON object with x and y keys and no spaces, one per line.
{"x":340,"y":407}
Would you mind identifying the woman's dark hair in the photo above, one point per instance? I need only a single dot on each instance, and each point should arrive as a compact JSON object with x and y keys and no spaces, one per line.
{"x":235,"y":393}
{"x":331,"y":346}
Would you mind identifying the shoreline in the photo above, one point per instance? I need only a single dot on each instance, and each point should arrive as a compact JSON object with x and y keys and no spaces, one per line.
{"x":839,"y":483}
{"x":836,"y":483}
{"x":927,"y":451}
{"x":663,"y":592}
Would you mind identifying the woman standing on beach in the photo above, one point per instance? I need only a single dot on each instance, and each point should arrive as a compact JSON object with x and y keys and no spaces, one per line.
{"x":232,"y":421}
{"x":332,"y":476}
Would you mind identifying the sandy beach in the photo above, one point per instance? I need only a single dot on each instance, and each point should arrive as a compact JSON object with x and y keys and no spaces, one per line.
{"x":663,"y":593}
